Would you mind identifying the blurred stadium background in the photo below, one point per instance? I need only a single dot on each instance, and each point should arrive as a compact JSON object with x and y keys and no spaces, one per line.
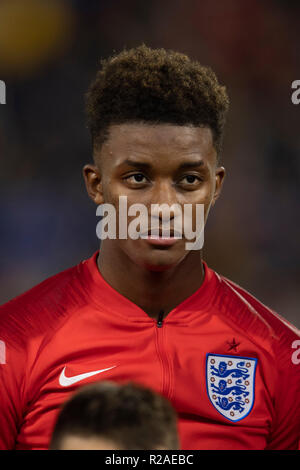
{"x":49,"y":52}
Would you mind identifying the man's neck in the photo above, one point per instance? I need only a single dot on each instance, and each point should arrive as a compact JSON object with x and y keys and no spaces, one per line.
{"x":152,"y":291}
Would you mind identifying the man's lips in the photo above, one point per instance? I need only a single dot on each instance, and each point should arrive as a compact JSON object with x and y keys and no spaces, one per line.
{"x":158,"y":237}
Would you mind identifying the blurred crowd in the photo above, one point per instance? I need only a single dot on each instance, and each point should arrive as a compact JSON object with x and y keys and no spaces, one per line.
{"x":49,"y":53}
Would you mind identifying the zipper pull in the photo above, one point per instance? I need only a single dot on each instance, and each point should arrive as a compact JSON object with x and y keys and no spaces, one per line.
{"x":160,"y":319}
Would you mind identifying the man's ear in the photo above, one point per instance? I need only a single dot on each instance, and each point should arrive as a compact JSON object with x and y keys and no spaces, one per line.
{"x":93,"y":183}
{"x":220,"y":176}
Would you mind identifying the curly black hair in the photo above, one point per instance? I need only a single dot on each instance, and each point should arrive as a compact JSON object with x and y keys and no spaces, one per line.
{"x":155,"y":86}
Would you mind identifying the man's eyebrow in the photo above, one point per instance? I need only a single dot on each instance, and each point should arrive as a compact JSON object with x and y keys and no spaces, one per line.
{"x":147,"y":166}
{"x":137,"y":164}
{"x":187,"y":165}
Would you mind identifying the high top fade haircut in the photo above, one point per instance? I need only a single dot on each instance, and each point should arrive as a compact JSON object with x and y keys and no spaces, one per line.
{"x":155,"y":86}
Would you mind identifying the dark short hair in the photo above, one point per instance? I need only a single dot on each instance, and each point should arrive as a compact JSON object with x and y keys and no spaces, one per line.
{"x":132,"y":416}
{"x":155,"y":86}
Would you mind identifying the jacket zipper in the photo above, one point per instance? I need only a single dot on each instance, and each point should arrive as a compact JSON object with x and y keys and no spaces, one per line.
{"x":160,"y":320}
{"x":163,"y":356}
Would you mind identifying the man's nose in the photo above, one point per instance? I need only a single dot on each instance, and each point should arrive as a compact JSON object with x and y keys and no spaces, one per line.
{"x":165,"y":193}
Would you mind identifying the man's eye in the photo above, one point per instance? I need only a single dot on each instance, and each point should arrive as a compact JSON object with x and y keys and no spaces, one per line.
{"x":190,"y":179}
{"x":136,"y":178}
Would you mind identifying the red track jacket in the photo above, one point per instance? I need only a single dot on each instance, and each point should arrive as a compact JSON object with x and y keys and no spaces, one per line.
{"x":228,"y":364}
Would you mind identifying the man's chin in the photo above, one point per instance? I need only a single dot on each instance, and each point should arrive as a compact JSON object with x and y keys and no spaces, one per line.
{"x":155,"y":259}
{"x":162,"y":261}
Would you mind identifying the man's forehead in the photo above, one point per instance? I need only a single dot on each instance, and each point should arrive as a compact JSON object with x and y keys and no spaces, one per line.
{"x":189,"y":138}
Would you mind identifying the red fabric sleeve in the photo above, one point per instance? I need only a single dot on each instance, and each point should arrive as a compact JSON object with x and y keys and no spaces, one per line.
{"x":285,"y":433}
{"x":11,"y":386}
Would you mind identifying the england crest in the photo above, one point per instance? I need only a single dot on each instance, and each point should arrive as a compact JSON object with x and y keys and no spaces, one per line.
{"x":230,"y":384}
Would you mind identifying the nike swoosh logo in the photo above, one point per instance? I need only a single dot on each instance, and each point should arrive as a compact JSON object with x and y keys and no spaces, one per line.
{"x":67,"y":381}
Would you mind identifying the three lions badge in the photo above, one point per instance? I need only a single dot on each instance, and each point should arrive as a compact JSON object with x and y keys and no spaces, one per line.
{"x":230,"y":383}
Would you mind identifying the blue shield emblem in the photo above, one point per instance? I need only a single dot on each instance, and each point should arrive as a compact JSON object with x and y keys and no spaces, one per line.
{"x":230,"y":383}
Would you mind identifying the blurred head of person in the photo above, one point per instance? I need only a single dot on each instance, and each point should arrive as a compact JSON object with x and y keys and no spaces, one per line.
{"x":108,"y":416}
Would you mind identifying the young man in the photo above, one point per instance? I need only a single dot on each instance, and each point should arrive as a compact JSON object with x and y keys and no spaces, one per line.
{"x":148,"y":309}
{"x":107,"y":416}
